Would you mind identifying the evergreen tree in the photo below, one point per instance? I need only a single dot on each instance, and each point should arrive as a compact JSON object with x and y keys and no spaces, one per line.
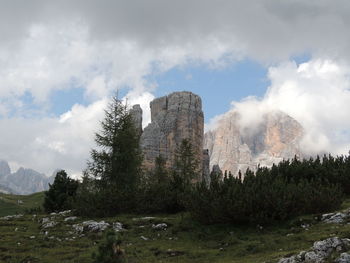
{"x":115,"y":165}
{"x":109,"y":251}
{"x":61,"y":193}
{"x":119,"y":159}
{"x":186,"y":165}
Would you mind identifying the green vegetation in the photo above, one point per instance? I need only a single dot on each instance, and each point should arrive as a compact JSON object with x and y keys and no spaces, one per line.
{"x":258,"y":217}
{"x":184,"y":240}
{"x":109,"y":250}
{"x":14,"y":204}
{"x":114,"y":172}
{"x":61,"y":194}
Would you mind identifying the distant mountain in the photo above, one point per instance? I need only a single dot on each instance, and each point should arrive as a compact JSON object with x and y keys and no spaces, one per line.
{"x":23,"y":181}
{"x":233,"y":148}
{"x":6,"y":190}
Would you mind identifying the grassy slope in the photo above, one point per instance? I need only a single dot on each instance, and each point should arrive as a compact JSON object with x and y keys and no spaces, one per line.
{"x":9,"y":204}
{"x":197,"y":243}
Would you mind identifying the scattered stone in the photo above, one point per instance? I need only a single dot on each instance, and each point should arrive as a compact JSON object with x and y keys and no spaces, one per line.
{"x":320,"y":252}
{"x":117,"y":227}
{"x":11,"y":217}
{"x":334,"y":218}
{"x":48,"y":224}
{"x":174,"y":253}
{"x":64,"y":213}
{"x":344,"y":258}
{"x":71,"y":218}
{"x":161,"y":226}
{"x":90,"y":226}
{"x":144,"y":238}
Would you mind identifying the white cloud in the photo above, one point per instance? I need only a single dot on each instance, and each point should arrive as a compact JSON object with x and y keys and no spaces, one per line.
{"x":51,"y":143}
{"x":103,"y":46}
{"x":315,"y":93}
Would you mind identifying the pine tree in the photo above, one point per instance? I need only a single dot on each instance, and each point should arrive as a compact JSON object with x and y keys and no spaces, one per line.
{"x":186,"y":164}
{"x":109,"y":251}
{"x":116,"y":164}
{"x":61,"y":193}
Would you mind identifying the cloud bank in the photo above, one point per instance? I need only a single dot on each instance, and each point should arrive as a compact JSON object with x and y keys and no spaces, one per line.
{"x":315,"y":93}
{"x":102,"y":46}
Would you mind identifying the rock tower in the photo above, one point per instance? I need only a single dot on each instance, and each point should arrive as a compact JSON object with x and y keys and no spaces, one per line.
{"x":174,"y":117}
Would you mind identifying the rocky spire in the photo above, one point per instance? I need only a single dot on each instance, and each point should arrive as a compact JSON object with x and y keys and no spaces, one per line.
{"x":174,"y":117}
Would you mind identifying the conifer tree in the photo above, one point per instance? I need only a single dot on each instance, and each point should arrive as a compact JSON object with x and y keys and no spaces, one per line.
{"x":186,"y":164}
{"x":118,"y":159}
{"x":115,"y":165}
{"x":61,"y":193}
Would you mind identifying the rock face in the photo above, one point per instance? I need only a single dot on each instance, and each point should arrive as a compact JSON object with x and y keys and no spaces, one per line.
{"x":233,"y":148}
{"x":174,"y":117}
{"x":4,"y":168}
{"x":136,"y":113}
{"x":23,"y":181}
{"x":321,"y":252}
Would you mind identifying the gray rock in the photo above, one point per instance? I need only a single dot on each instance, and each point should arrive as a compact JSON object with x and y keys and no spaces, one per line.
{"x":334,"y":218}
{"x":90,"y":226}
{"x":161,"y":226}
{"x":320,"y":252}
{"x":4,"y":168}
{"x":49,"y":224}
{"x":174,"y":117}
{"x":136,"y":113}
{"x":117,"y":227}
{"x":10,"y":217}
{"x":344,"y":258}
{"x":313,"y":257}
{"x":235,"y":147}
{"x":71,"y":218}
{"x":25,"y":181}
{"x":325,"y":247}
{"x":206,"y":166}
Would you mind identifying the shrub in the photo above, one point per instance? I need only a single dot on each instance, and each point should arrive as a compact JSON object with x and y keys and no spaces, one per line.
{"x":61,"y":193}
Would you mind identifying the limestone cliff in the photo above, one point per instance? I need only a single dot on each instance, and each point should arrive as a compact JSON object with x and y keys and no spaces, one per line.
{"x":233,"y":148}
{"x":174,"y":117}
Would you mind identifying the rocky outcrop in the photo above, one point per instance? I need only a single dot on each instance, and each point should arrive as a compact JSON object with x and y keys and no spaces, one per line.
{"x":23,"y":181}
{"x":235,"y":148}
{"x":206,"y":166}
{"x":321,"y":252}
{"x":174,"y":117}
{"x":136,"y":113}
{"x":4,"y":168}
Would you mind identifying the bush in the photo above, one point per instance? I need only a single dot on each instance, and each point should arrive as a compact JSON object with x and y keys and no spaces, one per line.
{"x":261,"y":198}
{"x":61,"y":193}
{"x":109,"y":251}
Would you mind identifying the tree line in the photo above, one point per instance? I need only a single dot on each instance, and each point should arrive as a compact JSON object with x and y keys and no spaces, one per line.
{"x":114,"y":182}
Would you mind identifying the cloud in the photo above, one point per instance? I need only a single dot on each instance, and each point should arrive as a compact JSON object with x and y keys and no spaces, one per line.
{"x":50,"y":143}
{"x":109,"y":45}
{"x":315,"y":93}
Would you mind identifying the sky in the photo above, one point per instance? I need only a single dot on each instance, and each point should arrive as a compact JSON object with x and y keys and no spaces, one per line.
{"x":61,"y":61}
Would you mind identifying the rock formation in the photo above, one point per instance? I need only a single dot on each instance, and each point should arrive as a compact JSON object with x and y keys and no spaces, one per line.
{"x":174,"y":117}
{"x":234,"y":148}
{"x":136,"y":113}
{"x":23,"y":181}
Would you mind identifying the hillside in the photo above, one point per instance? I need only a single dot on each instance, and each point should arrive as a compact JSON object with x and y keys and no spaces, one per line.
{"x":12,"y":204}
{"x":32,"y":238}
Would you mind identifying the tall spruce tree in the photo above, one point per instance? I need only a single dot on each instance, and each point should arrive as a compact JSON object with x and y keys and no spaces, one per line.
{"x":116,"y":163}
{"x":186,"y":164}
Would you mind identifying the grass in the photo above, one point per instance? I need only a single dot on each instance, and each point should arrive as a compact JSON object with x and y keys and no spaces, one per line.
{"x":184,"y":241}
{"x":15,"y":204}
